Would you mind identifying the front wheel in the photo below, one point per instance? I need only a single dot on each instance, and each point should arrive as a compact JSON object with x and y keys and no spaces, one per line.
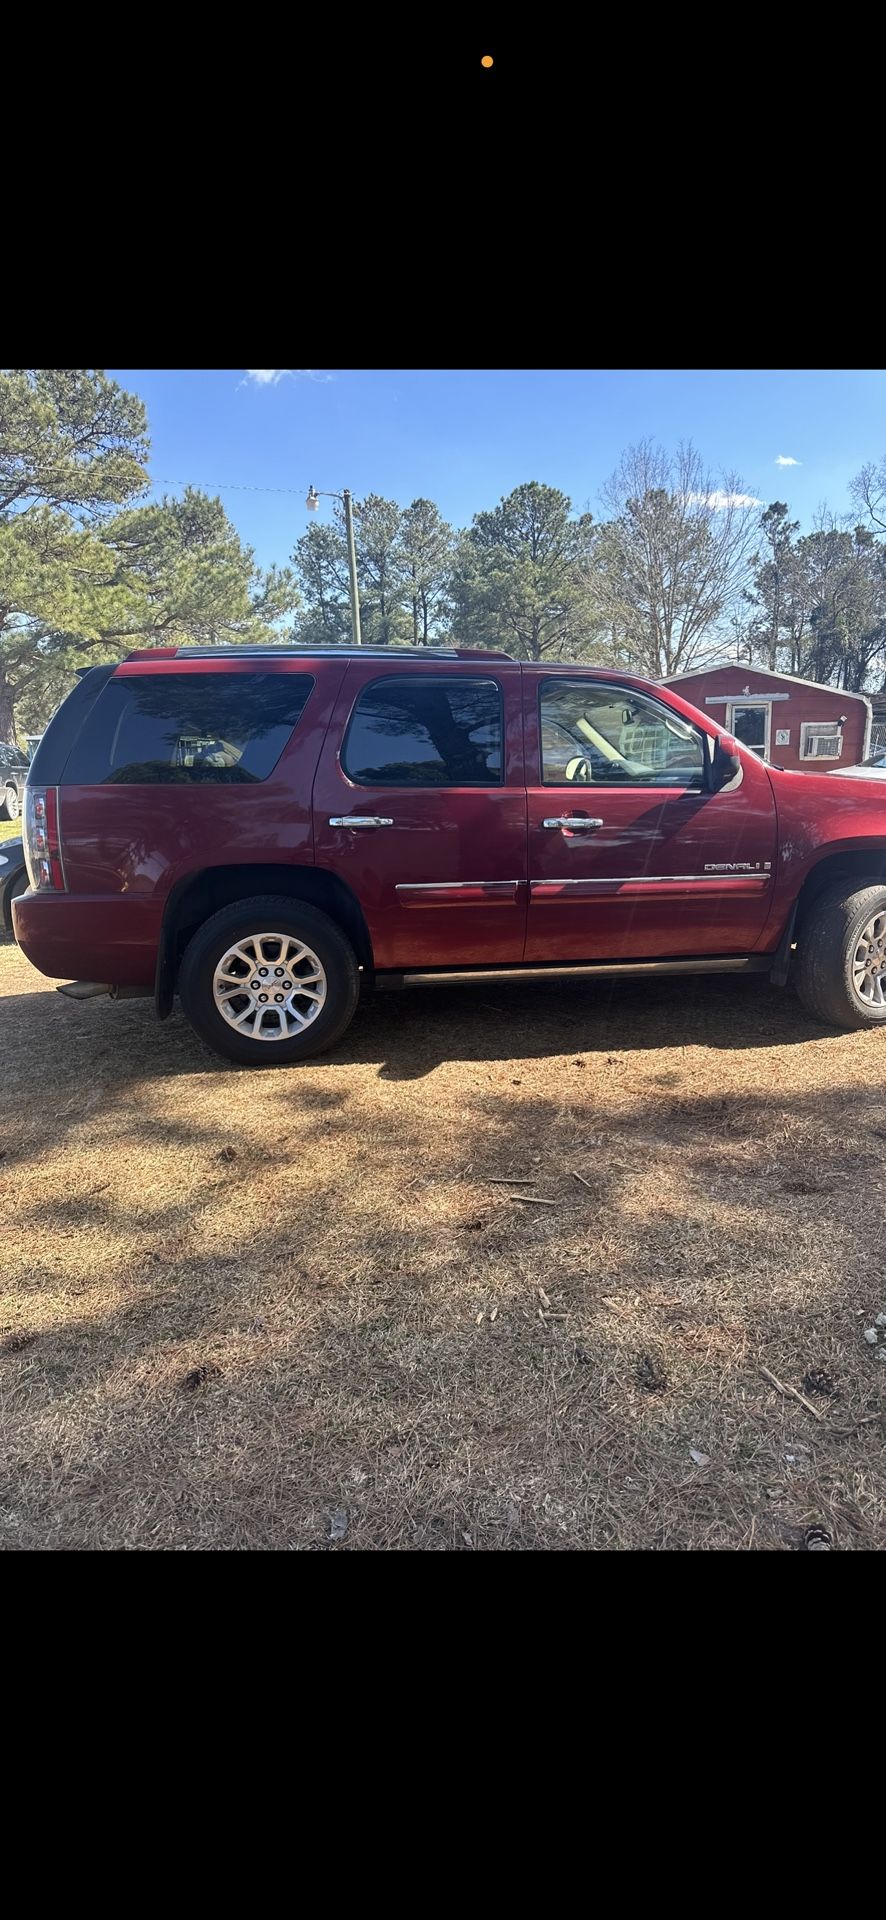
{"x":10,"y":807}
{"x":841,"y":957}
{"x":269,"y":981}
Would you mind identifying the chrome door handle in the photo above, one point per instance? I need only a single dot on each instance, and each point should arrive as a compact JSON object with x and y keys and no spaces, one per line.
{"x":577,"y":822}
{"x":359,"y":820}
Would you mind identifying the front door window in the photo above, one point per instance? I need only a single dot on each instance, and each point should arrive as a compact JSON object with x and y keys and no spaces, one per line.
{"x":750,"y":725}
{"x":607,"y":736}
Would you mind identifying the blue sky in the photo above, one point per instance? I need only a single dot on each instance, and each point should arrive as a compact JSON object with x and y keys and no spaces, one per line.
{"x":463,"y":438}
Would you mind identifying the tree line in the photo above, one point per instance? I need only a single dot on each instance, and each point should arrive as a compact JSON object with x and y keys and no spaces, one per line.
{"x":682,"y":567}
{"x":87,"y":573}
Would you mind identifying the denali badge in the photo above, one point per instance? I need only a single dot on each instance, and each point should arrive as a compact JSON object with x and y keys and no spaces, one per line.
{"x":738,"y":866}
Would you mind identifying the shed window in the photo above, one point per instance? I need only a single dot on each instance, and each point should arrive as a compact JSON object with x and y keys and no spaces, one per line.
{"x":821,"y":740}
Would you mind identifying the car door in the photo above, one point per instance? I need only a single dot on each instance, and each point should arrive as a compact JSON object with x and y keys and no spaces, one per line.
{"x":13,"y":774}
{"x":632,"y":855}
{"x":420,"y":808}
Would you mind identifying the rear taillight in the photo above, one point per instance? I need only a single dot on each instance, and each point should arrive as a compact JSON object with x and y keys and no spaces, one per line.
{"x":43,"y":854}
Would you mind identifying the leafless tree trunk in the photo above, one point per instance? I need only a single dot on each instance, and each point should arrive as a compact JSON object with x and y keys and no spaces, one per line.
{"x":868,"y":491}
{"x":674,"y":556}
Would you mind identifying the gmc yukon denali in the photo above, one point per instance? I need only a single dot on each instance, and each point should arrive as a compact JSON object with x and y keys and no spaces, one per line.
{"x":261,"y":830}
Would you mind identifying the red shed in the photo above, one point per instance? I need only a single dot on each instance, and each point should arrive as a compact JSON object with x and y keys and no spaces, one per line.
{"x":794,"y":723}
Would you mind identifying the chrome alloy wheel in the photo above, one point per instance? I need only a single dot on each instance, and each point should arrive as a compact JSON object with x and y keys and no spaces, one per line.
{"x":869,"y":962}
{"x":269,"y":986}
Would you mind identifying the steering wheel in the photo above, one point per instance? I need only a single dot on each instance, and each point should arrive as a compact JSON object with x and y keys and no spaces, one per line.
{"x":578,"y":770}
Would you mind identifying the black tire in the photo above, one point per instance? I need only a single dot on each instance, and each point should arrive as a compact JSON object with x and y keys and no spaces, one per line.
{"x":265,"y":914}
{"x":826,"y":951}
{"x":10,"y":808}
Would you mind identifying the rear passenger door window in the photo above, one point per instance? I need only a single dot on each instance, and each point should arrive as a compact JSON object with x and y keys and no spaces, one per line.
{"x":422,"y":732}
{"x":188,"y":729}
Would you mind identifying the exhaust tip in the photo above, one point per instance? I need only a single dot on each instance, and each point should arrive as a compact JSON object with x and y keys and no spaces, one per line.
{"x":83,"y":990}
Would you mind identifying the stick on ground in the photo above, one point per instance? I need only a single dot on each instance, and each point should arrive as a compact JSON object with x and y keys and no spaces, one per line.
{"x":791,"y":1393}
{"x":533,"y":1200}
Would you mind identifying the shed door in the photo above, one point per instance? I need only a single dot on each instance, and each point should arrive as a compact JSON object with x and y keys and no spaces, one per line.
{"x":751,"y":724}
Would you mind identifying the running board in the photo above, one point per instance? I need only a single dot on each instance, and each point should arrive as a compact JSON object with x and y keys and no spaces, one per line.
{"x":588,"y":969}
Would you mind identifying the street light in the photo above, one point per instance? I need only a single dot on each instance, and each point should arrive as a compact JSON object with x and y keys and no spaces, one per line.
{"x":312,"y":502}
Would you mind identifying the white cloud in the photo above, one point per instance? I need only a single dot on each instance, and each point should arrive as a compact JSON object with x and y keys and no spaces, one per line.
{"x":718,"y":499}
{"x":271,"y":376}
{"x":787,"y":460}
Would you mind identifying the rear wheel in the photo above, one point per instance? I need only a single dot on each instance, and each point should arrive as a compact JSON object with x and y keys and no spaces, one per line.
{"x":269,"y":981}
{"x":10,"y":808}
{"x":841,"y":957}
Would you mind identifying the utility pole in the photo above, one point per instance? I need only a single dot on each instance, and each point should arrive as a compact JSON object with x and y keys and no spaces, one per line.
{"x":312,"y":502}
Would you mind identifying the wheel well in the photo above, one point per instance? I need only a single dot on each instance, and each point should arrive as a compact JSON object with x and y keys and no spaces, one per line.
{"x":193,"y":900}
{"x":862,"y":867}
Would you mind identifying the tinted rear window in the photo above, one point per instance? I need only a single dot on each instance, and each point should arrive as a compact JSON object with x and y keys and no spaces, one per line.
{"x":426,"y":733}
{"x":185,"y":729}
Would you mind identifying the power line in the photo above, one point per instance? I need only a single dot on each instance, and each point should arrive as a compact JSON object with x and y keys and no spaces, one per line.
{"x":224,"y":486}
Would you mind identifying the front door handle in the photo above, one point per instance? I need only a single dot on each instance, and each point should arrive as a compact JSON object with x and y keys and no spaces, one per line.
{"x":577,"y":822}
{"x":359,"y":820}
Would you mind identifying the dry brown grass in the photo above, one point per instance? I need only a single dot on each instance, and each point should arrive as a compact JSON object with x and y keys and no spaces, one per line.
{"x":289,"y":1308}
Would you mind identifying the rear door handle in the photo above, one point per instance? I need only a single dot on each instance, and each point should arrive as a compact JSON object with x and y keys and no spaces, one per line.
{"x":577,"y":823}
{"x":360,"y":820}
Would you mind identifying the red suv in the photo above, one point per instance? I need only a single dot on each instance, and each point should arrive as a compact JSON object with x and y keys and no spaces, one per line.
{"x":256,"y":829}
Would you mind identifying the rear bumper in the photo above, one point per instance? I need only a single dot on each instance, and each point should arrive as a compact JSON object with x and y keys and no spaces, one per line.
{"x":71,"y":936}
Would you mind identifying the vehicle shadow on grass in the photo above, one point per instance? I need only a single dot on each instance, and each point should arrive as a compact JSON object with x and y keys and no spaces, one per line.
{"x":413,"y":1032}
{"x":408,"y":1034}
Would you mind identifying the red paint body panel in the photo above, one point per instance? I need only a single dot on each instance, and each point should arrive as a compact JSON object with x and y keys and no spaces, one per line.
{"x":466,"y":876}
{"x":816,"y":818}
{"x":441,"y":837}
{"x":637,"y":898}
{"x":144,"y":839}
{"x":130,"y":845}
{"x":112,"y":939}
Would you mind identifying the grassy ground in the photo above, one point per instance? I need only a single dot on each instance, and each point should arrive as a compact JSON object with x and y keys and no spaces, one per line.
{"x":291,"y":1309}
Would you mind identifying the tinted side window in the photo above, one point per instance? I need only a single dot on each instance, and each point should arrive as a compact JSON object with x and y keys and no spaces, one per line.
{"x":185,"y":729}
{"x":426,"y":733}
{"x":611,"y":736}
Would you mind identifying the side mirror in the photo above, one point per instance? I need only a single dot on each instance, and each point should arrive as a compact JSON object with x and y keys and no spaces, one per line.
{"x":725,"y":764}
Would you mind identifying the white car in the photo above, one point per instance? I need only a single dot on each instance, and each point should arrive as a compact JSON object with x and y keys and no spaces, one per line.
{"x":872,"y":769}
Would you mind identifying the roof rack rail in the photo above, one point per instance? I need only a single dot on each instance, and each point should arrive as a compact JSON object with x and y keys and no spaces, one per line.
{"x":279,"y":651}
{"x":481,"y":653}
